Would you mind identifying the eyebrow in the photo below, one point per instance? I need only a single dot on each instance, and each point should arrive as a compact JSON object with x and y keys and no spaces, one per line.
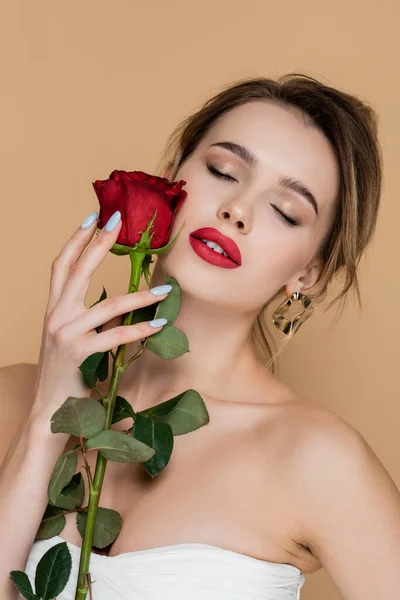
{"x":287,"y":182}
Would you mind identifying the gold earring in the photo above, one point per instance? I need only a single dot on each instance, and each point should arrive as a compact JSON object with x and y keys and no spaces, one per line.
{"x":287,"y":326}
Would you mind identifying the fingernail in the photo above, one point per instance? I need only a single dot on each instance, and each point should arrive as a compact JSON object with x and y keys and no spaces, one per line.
{"x":161,"y":289}
{"x":158,"y":322}
{"x":88,"y":222}
{"x":113,"y":221}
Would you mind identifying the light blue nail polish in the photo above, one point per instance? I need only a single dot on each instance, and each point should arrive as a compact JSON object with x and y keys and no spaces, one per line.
{"x":113,"y":221}
{"x":88,"y":222}
{"x":161,"y":289}
{"x":158,"y":322}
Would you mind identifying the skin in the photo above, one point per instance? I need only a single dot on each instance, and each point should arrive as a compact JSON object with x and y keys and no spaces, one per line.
{"x":227,"y":301}
{"x":251,"y":410}
{"x":272,"y":476}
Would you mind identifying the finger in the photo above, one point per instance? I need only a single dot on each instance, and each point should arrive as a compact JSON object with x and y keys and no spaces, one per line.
{"x":81,"y":272}
{"x":115,"y":322}
{"x":109,"y":308}
{"x":69,"y":254}
{"x":125,"y":334}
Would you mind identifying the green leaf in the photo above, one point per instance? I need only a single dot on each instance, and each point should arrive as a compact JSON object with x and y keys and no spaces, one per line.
{"x":53,"y":571}
{"x":122,"y":410}
{"x":89,"y":368}
{"x":102,"y":370}
{"x":62,"y":474}
{"x":79,"y":417}
{"x":120,"y":447}
{"x":23,"y":585}
{"x":145,"y":313}
{"x":72,"y":495}
{"x":106,"y":529}
{"x":53,"y":522}
{"x":158,"y":436}
{"x":167,"y":308}
{"x":171,"y":305}
{"x":169,"y":342}
{"x":184,"y":413}
{"x":102,"y":297}
{"x":95,"y":366}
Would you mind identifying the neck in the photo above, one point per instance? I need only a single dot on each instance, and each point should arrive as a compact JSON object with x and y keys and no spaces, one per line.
{"x":221,"y":361}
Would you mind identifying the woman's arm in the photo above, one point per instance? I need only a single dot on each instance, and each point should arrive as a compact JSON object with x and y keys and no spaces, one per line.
{"x":70,"y":334}
{"x":17,"y":386}
{"x":350,"y":509}
{"x":27,"y":465}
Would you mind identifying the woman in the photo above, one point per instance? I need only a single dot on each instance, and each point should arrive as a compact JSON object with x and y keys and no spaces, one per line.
{"x":289,"y":172}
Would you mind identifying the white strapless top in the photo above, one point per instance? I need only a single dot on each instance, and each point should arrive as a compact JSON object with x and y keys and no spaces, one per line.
{"x":193,"y":571}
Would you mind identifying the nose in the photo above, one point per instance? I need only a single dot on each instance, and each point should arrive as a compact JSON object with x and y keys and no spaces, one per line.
{"x":237,"y":213}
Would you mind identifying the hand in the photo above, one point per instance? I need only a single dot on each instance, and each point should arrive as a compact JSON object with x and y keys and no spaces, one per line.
{"x":69,"y":331}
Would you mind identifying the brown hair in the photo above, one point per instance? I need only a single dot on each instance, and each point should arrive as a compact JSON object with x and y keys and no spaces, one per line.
{"x":350,"y":125}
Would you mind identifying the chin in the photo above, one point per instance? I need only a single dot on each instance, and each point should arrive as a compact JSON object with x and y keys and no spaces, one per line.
{"x":179,"y":265}
{"x":197,"y":278}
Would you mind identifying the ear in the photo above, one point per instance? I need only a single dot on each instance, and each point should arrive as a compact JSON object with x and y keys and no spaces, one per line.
{"x":306,"y":279}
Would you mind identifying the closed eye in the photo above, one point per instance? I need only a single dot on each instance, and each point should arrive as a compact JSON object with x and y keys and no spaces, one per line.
{"x":216,"y":173}
{"x":288,"y":219}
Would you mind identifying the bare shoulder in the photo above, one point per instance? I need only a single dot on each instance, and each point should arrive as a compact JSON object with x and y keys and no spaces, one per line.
{"x":327,"y":457}
{"x":318,"y":424}
{"x":304,"y":425}
{"x":17,"y":385}
{"x":347,"y":505}
{"x":322,"y":435}
{"x":319,"y":439}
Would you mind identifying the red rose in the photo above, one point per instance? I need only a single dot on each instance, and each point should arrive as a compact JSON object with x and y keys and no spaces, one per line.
{"x":137,"y":195}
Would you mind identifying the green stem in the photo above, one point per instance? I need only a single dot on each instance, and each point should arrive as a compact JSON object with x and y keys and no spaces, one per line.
{"x":109,"y":403}
{"x":134,"y":357}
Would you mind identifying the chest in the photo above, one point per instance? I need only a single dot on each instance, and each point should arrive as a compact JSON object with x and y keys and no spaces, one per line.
{"x":224,"y":485}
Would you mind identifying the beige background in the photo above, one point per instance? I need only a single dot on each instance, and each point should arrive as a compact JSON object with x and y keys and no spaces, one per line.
{"x":88,"y":87}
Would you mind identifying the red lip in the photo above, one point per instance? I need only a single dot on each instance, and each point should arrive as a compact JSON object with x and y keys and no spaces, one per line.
{"x":226,"y":243}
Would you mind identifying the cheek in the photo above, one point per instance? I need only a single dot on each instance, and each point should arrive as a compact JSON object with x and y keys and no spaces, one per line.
{"x":279,"y":259}
{"x":205,"y":192}
{"x":198,"y":208}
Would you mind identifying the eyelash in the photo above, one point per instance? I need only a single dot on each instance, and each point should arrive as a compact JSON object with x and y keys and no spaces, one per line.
{"x":217,"y":173}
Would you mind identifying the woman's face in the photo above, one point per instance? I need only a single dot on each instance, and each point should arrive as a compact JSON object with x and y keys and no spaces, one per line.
{"x":249,"y":207}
